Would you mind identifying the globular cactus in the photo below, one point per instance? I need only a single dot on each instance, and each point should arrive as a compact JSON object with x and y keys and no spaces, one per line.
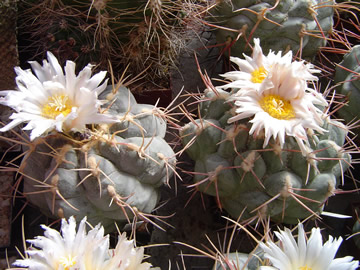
{"x":348,"y":85}
{"x":146,"y":34}
{"x":280,"y":183}
{"x":112,"y":173}
{"x":257,"y":149}
{"x":301,"y":26}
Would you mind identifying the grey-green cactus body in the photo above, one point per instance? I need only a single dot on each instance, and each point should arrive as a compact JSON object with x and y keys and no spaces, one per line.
{"x":65,"y":177}
{"x":251,"y":180}
{"x":238,"y":260}
{"x":281,"y":25}
{"x":347,"y":78}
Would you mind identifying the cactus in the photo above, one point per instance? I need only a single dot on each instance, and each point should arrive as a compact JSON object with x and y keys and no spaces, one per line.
{"x":347,"y":80}
{"x":301,"y":26}
{"x":259,"y":166}
{"x":110,"y":174}
{"x":280,"y":183}
{"x":147,"y":35}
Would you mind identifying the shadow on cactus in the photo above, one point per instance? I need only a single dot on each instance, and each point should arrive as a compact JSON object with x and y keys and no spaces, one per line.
{"x":347,"y":82}
{"x":93,"y":150}
{"x":147,"y":34}
{"x":268,"y":147}
{"x":356,"y":229}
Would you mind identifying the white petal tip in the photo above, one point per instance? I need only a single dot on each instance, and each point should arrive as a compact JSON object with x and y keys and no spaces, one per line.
{"x":334,"y":215}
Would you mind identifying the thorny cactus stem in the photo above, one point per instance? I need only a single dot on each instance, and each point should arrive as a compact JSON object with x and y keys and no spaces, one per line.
{"x":110,"y":173}
{"x":251,"y":181}
{"x":148,"y":34}
{"x":305,"y":27}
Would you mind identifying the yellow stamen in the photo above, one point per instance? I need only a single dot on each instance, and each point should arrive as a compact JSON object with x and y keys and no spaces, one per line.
{"x":67,"y":262}
{"x":258,"y":75}
{"x":277,"y":107}
{"x":57,"y":104}
{"x":305,"y":268}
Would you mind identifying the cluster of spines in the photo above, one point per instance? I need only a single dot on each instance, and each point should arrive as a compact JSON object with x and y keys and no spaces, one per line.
{"x":146,"y":35}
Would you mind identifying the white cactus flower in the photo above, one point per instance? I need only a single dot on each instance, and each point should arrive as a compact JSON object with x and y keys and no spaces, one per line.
{"x":305,"y":254}
{"x":255,"y":72}
{"x":60,"y":251}
{"x":81,"y":250}
{"x":53,"y":100}
{"x":283,"y":104}
{"x":125,"y":253}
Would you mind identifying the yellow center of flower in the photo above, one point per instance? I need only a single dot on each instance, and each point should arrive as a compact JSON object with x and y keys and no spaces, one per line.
{"x":258,"y":75}
{"x":57,"y":104}
{"x":305,"y":268}
{"x":277,"y":107}
{"x":67,"y":262}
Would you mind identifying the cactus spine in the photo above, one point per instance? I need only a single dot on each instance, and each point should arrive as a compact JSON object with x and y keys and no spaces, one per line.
{"x":146,"y":34}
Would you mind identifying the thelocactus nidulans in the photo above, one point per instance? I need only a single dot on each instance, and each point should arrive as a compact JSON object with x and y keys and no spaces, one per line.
{"x":147,"y":35}
{"x":111,"y":175}
{"x":301,"y":26}
{"x":93,"y":150}
{"x":267,"y":147}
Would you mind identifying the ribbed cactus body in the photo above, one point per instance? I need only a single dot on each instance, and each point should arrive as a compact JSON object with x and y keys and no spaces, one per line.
{"x":146,"y":35}
{"x":251,"y":180}
{"x":347,"y":76}
{"x":66,"y":177}
{"x":281,"y":25}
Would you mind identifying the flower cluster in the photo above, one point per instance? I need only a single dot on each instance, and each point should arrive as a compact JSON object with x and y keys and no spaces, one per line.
{"x":305,"y":254}
{"x":274,"y":91}
{"x":53,"y":100}
{"x":81,"y":250}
